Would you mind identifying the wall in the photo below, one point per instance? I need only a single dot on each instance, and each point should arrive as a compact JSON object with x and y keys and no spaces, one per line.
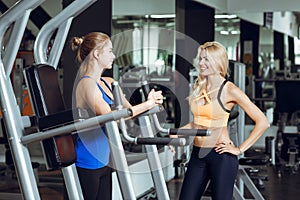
{"x":217,"y":4}
{"x":230,"y":42}
{"x":252,"y":11}
{"x":266,"y":40}
{"x":285,"y":22}
{"x":262,"y":5}
{"x":143,"y":7}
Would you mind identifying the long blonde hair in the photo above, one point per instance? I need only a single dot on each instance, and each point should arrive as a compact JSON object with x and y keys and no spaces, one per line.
{"x":219,"y":54}
{"x":84,"y":46}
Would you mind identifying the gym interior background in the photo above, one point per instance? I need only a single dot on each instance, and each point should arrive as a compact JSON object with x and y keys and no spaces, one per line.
{"x":263,"y":43}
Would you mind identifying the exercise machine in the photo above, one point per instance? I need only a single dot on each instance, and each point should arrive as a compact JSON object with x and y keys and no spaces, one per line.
{"x":15,"y":123}
{"x":288,"y":139}
{"x":50,"y":126}
{"x":117,"y":151}
{"x":151,"y":151}
{"x":17,"y":16}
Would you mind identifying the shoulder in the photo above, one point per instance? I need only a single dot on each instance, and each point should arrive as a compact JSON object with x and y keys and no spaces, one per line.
{"x":234,"y":92}
{"x":87,"y":86}
{"x":86,"y":82}
{"x":231,"y":87}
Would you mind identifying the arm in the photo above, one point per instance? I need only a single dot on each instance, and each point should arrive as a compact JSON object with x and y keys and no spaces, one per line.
{"x":154,"y":98}
{"x":260,"y":120}
{"x":236,"y":96}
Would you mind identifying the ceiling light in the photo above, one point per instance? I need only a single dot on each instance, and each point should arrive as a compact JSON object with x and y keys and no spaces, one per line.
{"x":163,"y":16}
{"x":235,"y":32}
{"x":224,"y":16}
{"x":224,"y":32}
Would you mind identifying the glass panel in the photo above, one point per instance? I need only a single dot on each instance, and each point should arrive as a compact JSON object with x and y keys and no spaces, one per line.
{"x":227,"y":32}
{"x":145,"y":42}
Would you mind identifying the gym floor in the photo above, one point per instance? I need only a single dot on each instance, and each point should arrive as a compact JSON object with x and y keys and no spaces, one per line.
{"x":284,"y":185}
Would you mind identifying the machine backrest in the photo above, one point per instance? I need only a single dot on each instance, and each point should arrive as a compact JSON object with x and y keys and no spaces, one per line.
{"x":49,"y":109}
{"x":46,"y":97}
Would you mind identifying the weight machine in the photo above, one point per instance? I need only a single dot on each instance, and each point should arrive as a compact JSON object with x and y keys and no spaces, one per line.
{"x":53,"y":125}
{"x":15,"y":124}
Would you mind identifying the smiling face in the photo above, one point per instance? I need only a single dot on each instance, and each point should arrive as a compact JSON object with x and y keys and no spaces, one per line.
{"x":213,"y":59}
{"x":207,"y":65}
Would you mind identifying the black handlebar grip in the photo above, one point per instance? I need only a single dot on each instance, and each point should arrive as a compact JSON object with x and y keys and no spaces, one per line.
{"x":146,"y":89}
{"x":162,"y":141}
{"x":189,"y":132}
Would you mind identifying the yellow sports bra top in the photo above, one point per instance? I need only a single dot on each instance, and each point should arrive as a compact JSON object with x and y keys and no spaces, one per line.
{"x":212,"y":114}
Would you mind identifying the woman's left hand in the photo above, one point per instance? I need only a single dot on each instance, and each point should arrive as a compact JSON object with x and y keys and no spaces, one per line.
{"x":156,"y":96}
{"x":227,"y":148}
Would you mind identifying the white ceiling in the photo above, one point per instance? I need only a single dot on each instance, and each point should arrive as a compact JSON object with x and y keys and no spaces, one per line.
{"x":238,"y":6}
{"x":254,"y":7}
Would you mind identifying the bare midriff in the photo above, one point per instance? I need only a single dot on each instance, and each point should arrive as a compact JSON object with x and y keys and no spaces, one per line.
{"x":218,"y":135}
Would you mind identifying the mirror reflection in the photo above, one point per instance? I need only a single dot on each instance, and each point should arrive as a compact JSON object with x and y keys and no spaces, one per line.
{"x":145,"y":46}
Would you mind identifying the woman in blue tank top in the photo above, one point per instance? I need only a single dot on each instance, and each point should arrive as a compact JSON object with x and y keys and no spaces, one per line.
{"x":93,"y":92}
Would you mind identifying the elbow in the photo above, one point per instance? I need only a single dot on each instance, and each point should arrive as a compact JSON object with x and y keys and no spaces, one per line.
{"x":265,"y":124}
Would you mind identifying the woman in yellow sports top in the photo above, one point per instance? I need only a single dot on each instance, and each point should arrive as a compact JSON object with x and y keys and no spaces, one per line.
{"x":214,"y":157}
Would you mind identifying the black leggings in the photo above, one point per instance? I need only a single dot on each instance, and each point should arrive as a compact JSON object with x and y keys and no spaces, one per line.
{"x":96,"y":184}
{"x":205,"y":164}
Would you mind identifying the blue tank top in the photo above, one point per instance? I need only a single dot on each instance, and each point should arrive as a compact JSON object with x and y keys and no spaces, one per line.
{"x":92,"y":146}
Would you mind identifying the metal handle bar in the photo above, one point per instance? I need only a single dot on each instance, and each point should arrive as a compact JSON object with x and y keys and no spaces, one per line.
{"x":81,"y":125}
{"x":173,"y":131}
{"x":139,"y":140}
{"x":162,"y":141}
{"x":19,"y":15}
{"x":62,"y":22}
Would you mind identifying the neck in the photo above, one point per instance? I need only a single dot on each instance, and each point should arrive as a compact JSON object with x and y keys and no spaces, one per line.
{"x":94,"y":72}
{"x":214,"y":82}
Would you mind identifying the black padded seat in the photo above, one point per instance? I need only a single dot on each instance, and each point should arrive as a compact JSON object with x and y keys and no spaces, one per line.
{"x":62,"y":118}
{"x":50,"y":112}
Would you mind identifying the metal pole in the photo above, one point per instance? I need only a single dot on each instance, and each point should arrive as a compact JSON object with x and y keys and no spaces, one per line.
{"x":81,"y":125}
{"x":153,"y":160}
{"x":19,"y":15}
{"x":15,"y":129}
{"x":72,"y":183}
{"x":239,"y":80}
{"x":119,"y":159}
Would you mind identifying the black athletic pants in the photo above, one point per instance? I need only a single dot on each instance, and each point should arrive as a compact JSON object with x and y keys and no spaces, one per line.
{"x":205,"y":164}
{"x":96,"y":184}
